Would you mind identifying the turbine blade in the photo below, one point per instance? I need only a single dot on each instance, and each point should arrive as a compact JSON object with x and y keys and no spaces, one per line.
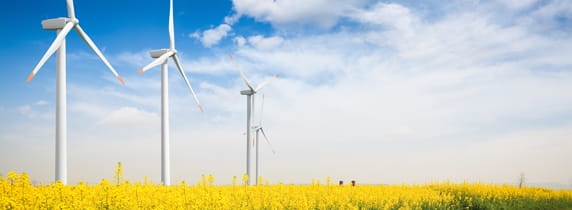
{"x":180,"y":67}
{"x":267,"y":141}
{"x":171,"y":27}
{"x":55,"y":45}
{"x":157,"y":61}
{"x":241,"y":74}
{"x":92,"y":45}
{"x":71,"y":10}
{"x":266,"y":83}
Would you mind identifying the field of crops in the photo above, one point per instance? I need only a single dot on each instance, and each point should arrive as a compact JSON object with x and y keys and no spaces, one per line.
{"x":16,"y":192}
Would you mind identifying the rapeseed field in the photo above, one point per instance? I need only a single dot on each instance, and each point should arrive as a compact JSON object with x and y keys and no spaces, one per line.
{"x":16,"y":192}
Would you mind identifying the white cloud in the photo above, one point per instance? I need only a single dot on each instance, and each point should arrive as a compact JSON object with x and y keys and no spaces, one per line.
{"x":42,"y":102}
{"x":138,"y":59}
{"x":263,"y":43}
{"x":230,"y":20}
{"x":321,"y":13}
{"x":293,"y":61}
{"x":212,"y":36}
{"x":34,"y":112}
{"x":240,"y":41}
{"x":89,"y":109}
{"x":216,"y":66}
{"x":195,"y":35}
{"x":518,"y":4}
{"x":390,"y":14}
{"x":25,"y":109}
{"x":550,"y":16}
{"x":130,"y":117}
{"x":143,"y":92}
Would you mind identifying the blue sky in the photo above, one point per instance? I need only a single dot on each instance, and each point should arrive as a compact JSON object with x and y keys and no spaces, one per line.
{"x":377,"y":91}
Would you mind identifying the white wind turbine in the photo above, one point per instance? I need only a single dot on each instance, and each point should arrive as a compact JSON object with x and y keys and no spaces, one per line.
{"x":162,"y":57}
{"x":63,"y":25}
{"x":249,"y":111}
{"x":257,"y":129}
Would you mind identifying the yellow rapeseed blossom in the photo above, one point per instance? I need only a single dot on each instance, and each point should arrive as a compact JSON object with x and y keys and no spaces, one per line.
{"x":16,"y":192}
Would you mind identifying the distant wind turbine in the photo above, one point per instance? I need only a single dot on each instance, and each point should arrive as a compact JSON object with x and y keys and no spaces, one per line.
{"x":251,"y":91}
{"x":63,"y":25}
{"x":259,"y":128}
{"x":161,"y":58}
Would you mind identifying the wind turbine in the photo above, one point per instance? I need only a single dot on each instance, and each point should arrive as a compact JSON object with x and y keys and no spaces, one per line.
{"x":250,"y":92}
{"x":257,"y":129}
{"x":162,"y":57}
{"x":63,"y":26}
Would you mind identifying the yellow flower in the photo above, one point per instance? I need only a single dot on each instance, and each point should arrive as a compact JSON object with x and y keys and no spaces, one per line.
{"x":16,"y":192}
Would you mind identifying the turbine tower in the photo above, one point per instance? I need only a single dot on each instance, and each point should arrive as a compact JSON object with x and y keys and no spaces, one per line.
{"x":249,"y":93}
{"x":260,"y":129}
{"x":63,"y":26}
{"x":162,"y":57}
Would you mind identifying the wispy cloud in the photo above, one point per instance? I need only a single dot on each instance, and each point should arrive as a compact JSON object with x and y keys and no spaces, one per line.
{"x":42,"y":102}
{"x":130,"y":117}
{"x":219,"y":65}
{"x":263,"y":43}
{"x":140,"y":58}
{"x":36,"y":110}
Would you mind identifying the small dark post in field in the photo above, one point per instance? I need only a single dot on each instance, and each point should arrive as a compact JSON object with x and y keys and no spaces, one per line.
{"x":341,"y":182}
{"x":353,"y":183}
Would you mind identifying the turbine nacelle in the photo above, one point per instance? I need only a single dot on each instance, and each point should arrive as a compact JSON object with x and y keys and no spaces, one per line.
{"x":247,"y":92}
{"x":57,"y":23}
{"x":159,"y":53}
